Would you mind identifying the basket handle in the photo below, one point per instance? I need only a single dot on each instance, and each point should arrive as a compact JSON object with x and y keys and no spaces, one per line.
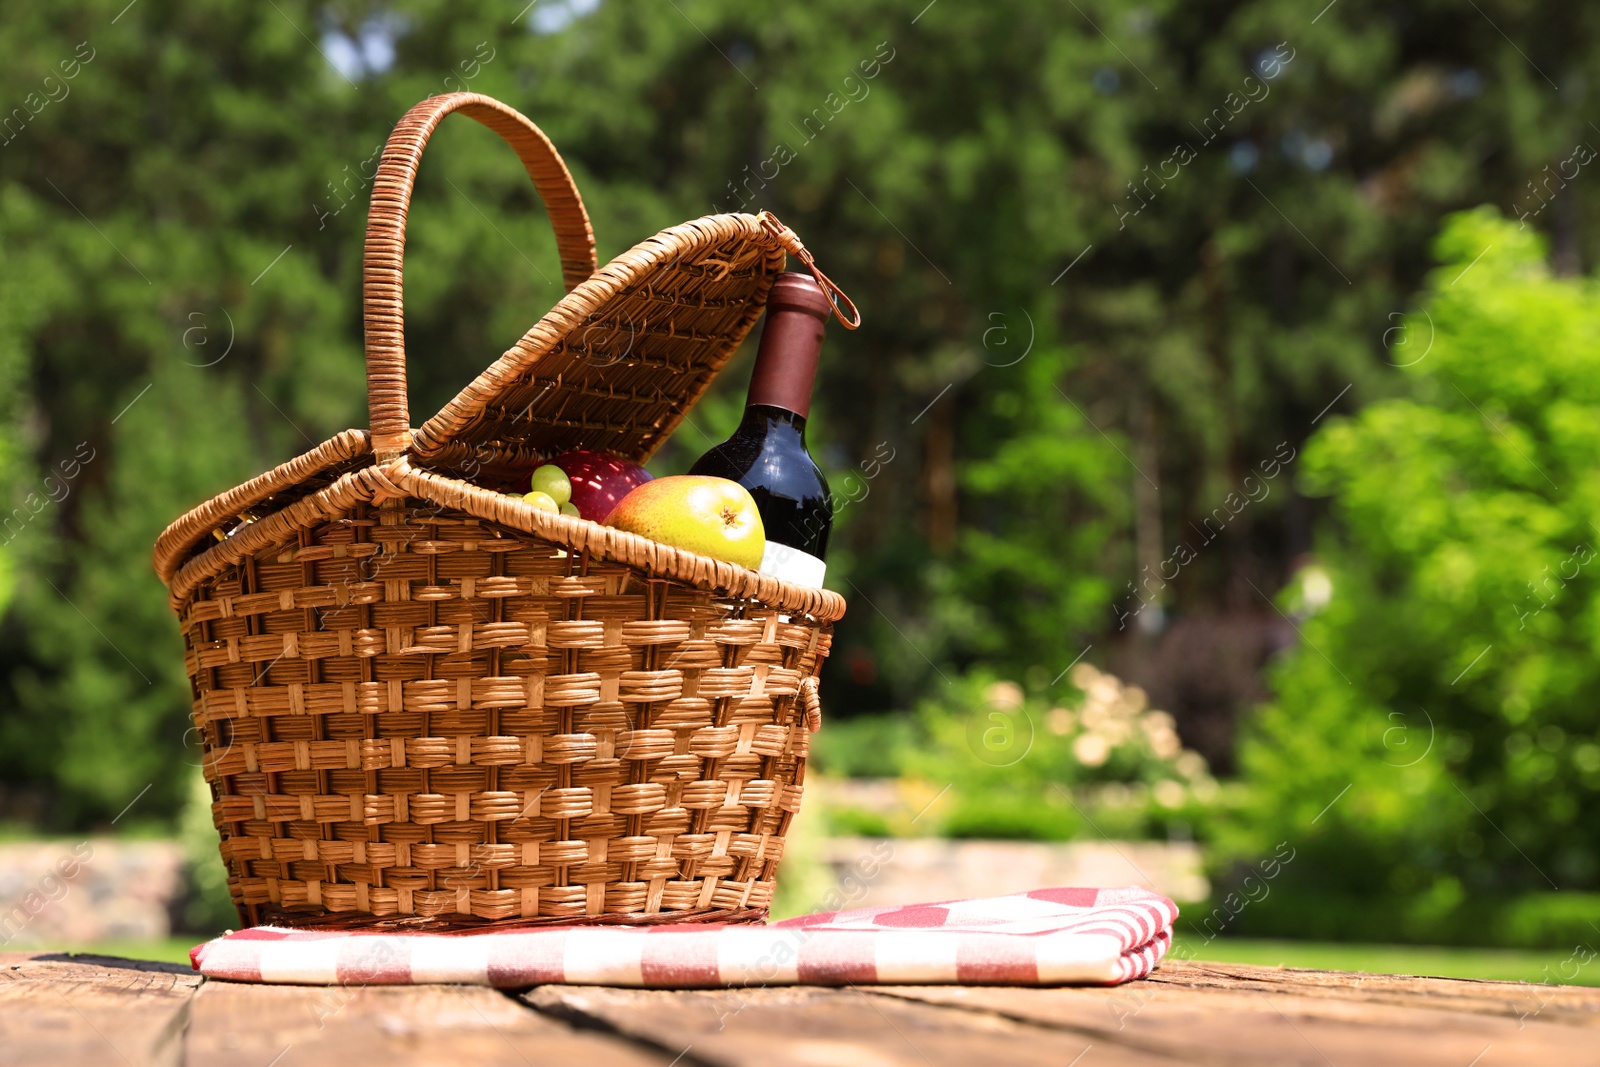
{"x":383,"y":302}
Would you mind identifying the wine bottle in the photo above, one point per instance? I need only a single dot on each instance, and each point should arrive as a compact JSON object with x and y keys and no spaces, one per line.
{"x":767,"y":453}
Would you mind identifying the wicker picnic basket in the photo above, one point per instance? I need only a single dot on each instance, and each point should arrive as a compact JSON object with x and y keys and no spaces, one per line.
{"x":424,"y":702}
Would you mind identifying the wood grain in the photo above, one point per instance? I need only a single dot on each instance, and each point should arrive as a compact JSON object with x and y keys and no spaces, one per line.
{"x":237,"y":1025}
{"x":809,"y":1027}
{"x":1223,"y":1014}
{"x":1522,"y":1001}
{"x":59,"y":1009}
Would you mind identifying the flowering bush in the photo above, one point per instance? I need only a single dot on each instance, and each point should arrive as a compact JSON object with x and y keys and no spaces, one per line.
{"x":1019,"y":765}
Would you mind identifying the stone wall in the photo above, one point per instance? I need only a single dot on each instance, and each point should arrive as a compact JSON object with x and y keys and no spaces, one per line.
{"x":69,"y":893}
{"x":76,"y":892}
{"x":873,"y":872}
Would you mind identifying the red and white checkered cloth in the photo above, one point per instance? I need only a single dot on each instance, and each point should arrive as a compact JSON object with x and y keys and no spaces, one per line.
{"x":1046,"y":937}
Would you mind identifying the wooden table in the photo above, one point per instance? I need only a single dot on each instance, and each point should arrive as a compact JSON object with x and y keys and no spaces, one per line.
{"x":57,"y":1009}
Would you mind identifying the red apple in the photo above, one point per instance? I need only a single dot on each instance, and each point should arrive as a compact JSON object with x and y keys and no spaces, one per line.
{"x":599,"y":480}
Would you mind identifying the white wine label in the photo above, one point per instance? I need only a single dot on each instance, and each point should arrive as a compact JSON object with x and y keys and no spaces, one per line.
{"x":792,"y":565}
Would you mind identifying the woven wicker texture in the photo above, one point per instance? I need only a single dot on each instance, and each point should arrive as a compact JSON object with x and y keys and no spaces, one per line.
{"x":294,"y":479}
{"x":424,"y":701}
{"x":621,"y":379}
{"x":415,"y":712}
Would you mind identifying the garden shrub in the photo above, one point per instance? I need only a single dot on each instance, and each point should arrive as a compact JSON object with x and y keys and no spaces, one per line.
{"x":1097,"y":762}
{"x":1431,"y":751}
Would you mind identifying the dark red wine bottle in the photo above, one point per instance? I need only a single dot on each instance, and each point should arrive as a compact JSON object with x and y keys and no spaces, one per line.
{"x":767,"y":453}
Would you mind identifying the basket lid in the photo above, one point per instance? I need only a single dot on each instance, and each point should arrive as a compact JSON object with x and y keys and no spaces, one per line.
{"x":616,"y":364}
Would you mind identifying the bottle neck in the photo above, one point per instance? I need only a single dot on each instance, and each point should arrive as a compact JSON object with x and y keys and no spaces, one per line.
{"x":786,"y":362}
{"x":769,"y":420}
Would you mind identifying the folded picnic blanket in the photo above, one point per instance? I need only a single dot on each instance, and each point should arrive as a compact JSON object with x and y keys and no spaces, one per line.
{"x":1045,"y":937}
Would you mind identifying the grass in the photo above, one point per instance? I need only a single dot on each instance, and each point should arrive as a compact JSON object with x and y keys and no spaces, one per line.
{"x":1507,"y":965}
{"x":165,"y":950}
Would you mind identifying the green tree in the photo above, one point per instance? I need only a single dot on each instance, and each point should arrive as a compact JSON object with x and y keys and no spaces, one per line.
{"x":1433,"y":740}
{"x":140,"y":210}
{"x":948,"y":164}
{"x":1206,"y":213}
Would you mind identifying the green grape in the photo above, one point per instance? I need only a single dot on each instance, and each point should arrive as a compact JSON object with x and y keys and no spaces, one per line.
{"x":553,"y":482}
{"x":542,"y":501}
{"x":569,"y":508}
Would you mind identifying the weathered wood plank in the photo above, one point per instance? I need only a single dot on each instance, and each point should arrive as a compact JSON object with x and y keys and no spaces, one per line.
{"x":57,"y":1009}
{"x":67,"y":1009}
{"x":1572,"y":1005}
{"x":1261,"y":1016}
{"x":806,"y":1027}
{"x":236,"y":1025}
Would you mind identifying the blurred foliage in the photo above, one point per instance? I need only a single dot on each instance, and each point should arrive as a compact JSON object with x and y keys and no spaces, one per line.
{"x":1078,"y":337}
{"x":867,"y":746}
{"x":207,"y":907}
{"x":986,"y":759}
{"x":1433,"y":740}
